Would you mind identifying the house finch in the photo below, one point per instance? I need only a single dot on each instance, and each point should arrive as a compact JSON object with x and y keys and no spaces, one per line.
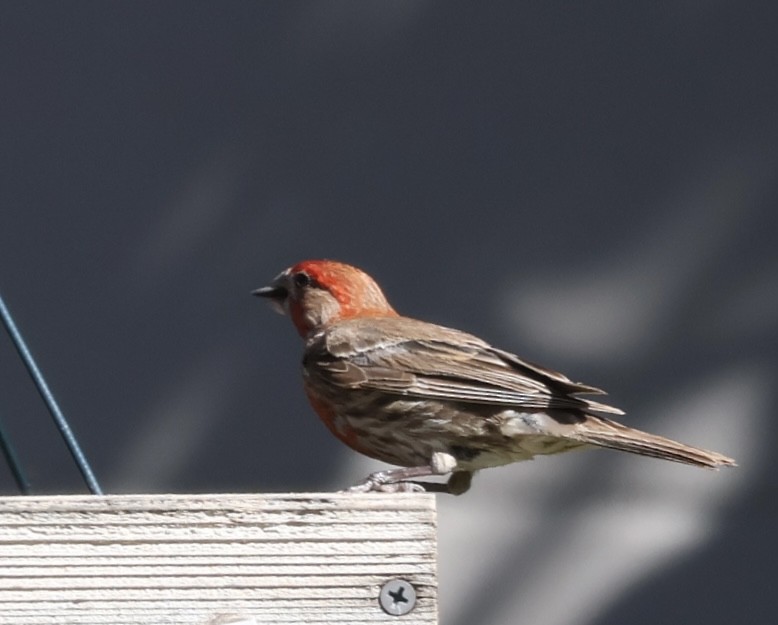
{"x":434,"y":400}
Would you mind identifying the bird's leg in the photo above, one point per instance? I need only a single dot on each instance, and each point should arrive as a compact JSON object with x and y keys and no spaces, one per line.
{"x":399,"y":480}
{"x":393,"y":481}
{"x":458,"y":484}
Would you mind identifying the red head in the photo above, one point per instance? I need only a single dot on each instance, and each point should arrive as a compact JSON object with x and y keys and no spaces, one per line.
{"x":318,"y":292}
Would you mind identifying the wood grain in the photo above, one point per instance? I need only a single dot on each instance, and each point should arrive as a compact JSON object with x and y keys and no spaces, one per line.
{"x":214,"y":559}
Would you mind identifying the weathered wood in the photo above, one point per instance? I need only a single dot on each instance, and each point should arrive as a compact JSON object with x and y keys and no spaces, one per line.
{"x":208,"y":559}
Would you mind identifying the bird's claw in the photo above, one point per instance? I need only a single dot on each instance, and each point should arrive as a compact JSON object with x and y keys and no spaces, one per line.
{"x":396,"y":481}
{"x":374,"y":485}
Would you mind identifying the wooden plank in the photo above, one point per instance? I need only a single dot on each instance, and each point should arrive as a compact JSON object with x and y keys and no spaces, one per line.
{"x":214,"y":559}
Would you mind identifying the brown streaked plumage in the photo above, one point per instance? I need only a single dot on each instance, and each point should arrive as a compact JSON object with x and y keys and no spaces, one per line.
{"x":435,"y":400}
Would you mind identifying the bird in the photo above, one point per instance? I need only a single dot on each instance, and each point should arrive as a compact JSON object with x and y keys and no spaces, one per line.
{"x":436,"y":401}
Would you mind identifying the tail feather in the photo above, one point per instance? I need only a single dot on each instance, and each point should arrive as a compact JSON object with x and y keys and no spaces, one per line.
{"x":603,"y":432}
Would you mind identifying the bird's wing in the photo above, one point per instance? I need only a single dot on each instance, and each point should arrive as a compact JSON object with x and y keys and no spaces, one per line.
{"x":419,"y":360}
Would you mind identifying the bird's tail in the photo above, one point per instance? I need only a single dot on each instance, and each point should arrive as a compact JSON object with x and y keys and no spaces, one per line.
{"x":596,"y":430}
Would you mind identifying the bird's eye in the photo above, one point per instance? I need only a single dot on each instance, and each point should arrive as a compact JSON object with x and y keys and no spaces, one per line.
{"x":301,"y":279}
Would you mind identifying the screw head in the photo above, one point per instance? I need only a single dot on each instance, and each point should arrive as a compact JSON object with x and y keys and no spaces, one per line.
{"x":397,"y":597}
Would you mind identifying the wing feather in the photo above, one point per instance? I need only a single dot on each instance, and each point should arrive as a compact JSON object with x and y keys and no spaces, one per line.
{"x":424,"y":361}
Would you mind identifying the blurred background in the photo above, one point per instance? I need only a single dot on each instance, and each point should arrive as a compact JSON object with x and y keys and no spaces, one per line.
{"x":591,"y":186}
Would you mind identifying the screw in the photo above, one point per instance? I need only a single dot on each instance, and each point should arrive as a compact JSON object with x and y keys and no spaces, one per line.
{"x":397,"y":597}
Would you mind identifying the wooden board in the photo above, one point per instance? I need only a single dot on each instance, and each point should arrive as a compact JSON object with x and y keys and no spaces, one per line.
{"x":214,"y":559}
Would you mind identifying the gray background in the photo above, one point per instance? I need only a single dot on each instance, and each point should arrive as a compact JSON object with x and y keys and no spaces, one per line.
{"x":592,"y":186}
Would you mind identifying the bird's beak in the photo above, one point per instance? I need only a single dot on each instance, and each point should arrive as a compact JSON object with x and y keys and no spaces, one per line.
{"x":270,"y":291}
{"x":276,"y":295}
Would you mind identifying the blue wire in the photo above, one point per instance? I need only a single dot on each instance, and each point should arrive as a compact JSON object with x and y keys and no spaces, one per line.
{"x":13,"y":462}
{"x":51,"y":403}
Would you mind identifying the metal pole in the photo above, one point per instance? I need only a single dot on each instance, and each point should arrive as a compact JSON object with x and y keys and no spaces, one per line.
{"x":13,"y":462}
{"x":51,"y":403}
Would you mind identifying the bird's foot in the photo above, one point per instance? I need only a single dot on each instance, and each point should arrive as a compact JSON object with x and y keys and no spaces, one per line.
{"x":393,"y":487}
{"x":390,"y":481}
{"x":396,"y":481}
